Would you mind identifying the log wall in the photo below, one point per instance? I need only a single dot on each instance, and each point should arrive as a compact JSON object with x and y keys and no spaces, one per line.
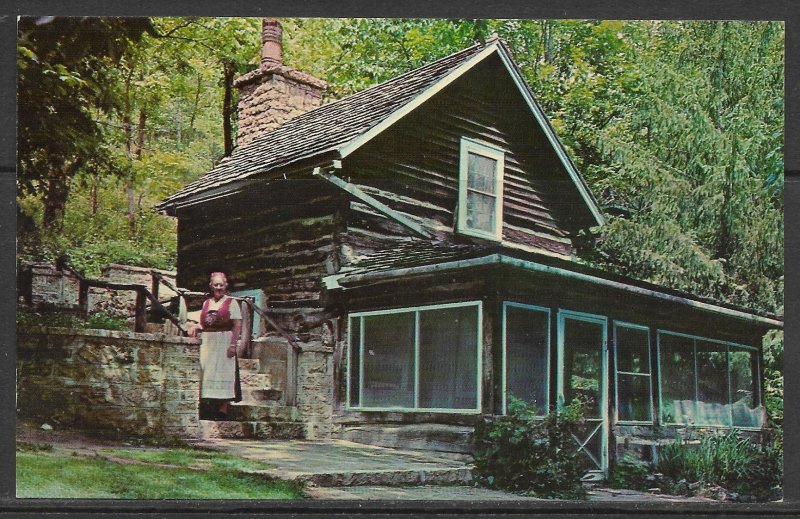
{"x":413,"y":167}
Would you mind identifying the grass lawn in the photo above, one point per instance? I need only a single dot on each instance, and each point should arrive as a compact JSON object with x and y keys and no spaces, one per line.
{"x":43,"y":473}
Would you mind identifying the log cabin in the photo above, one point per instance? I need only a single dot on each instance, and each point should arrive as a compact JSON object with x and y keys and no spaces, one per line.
{"x":421,"y":236}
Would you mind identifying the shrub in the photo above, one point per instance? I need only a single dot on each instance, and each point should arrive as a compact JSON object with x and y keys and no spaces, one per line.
{"x":521,"y":452}
{"x":630,"y":473}
{"x":725,"y":460}
{"x":95,"y":321}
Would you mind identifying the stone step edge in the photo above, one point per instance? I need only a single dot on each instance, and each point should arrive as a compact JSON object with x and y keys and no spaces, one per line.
{"x":387,"y":477}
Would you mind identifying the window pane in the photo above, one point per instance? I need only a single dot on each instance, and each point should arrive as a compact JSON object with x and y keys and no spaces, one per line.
{"x":481,"y":173}
{"x":448,"y":357}
{"x":389,"y":360}
{"x":633,"y":398}
{"x":745,"y":412}
{"x":712,"y":384}
{"x":355,"y":356}
{"x":583,"y":343}
{"x":526,"y":355}
{"x":480,"y":212}
{"x":677,"y":378}
{"x":632,"y":350}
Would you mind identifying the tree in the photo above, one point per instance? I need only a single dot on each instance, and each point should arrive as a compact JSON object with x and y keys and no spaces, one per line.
{"x":64,"y":68}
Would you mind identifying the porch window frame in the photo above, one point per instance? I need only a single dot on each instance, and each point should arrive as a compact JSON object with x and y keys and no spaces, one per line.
{"x":484,"y":149}
{"x":547,"y":384}
{"x":417,"y":311}
{"x":649,"y":374}
{"x":758,"y":379}
{"x":605,"y":422}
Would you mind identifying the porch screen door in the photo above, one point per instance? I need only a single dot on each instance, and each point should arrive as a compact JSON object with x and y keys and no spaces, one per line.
{"x":582,"y":374}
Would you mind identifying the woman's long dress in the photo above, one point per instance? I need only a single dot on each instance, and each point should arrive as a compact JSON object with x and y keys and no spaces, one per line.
{"x":219,"y":373}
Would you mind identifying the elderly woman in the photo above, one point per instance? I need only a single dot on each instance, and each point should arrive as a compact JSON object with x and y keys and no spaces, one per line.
{"x":220,"y":322}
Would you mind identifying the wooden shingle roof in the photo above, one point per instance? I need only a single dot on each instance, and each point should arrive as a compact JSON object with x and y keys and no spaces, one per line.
{"x":324,"y":129}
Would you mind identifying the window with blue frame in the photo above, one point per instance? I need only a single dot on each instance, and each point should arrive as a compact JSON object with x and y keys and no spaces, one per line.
{"x":422,"y":358}
{"x":632,"y":362}
{"x":708,"y":383}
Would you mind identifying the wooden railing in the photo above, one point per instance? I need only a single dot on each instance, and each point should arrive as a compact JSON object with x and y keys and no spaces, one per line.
{"x":143,"y":295}
{"x":249,"y":310}
{"x":157,"y":307}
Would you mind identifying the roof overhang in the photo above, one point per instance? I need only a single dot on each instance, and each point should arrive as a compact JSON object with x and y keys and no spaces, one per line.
{"x":345,"y":281}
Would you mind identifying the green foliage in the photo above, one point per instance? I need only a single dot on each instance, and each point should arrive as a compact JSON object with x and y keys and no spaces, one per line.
{"x":95,"y":321}
{"x":52,"y":476}
{"x":190,"y":458}
{"x":630,"y":473}
{"x":730,"y":461}
{"x":522,"y":453}
{"x":773,"y":377}
{"x":65,"y":67}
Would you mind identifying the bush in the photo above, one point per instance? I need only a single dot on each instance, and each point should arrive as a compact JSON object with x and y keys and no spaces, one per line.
{"x":521,"y":452}
{"x":630,"y":473}
{"x":724,"y":460}
{"x":95,"y":321}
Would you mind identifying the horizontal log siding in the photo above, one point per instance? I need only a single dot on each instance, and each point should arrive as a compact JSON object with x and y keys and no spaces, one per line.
{"x":277,"y":240}
{"x":413,"y":166}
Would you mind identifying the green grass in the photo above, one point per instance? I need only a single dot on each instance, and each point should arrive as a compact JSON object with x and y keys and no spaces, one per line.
{"x":190,"y":458}
{"x":42,"y":475}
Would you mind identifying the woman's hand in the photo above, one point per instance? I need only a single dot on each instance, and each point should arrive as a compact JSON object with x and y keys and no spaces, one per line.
{"x":231,"y":351}
{"x":193,"y":329}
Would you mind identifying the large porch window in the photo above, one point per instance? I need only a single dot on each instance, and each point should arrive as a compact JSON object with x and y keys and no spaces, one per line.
{"x":526,"y":358}
{"x":708,"y":383}
{"x":632,"y":368}
{"x":424,"y":358}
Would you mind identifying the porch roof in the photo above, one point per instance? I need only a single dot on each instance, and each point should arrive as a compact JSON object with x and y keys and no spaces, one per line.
{"x":419,"y":257}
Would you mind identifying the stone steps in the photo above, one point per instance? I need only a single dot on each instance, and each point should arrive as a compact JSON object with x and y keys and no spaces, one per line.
{"x":251,"y":430}
{"x":388,"y":477}
{"x":247,"y":412}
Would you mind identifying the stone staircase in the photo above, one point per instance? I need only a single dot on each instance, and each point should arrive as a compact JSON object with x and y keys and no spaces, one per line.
{"x":260,"y":415}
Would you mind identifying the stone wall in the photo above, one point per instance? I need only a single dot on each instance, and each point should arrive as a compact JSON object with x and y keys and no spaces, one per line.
{"x":52,"y":287}
{"x":60,"y":288}
{"x":123,"y":302}
{"x":118,"y":383}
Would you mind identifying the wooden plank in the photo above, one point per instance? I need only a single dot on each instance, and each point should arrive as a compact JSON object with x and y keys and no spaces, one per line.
{"x":383,"y":208}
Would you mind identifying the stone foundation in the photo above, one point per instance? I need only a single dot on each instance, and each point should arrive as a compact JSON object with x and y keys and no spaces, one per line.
{"x":118,"y":383}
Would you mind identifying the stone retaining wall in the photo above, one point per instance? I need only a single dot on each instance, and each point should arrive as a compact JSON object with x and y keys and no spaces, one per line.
{"x":60,"y":288}
{"x":120,"y":383}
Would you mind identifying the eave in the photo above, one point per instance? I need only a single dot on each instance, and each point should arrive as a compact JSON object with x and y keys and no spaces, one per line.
{"x":346,"y":282}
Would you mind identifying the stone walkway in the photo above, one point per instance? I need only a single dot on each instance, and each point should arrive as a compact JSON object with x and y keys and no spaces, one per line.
{"x":342,"y":470}
{"x":467,"y":493}
{"x":345,"y":470}
{"x":339,"y":463}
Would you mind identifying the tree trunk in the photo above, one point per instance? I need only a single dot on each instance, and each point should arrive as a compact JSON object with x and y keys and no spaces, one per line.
{"x":195,"y":107}
{"x":547,"y":41}
{"x":55,"y":196}
{"x":131,"y":195}
{"x":227,"y":111}
{"x":93,"y":199}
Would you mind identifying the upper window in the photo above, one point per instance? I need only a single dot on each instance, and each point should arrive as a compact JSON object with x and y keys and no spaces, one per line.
{"x":480,"y":190}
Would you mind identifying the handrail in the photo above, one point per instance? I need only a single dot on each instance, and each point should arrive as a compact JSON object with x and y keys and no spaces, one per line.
{"x":272,"y":323}
{"x":142,"y":295}
{"x":184,"y":292}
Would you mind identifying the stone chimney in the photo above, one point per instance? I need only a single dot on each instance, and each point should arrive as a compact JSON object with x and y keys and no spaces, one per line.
{"x":274,"y":93}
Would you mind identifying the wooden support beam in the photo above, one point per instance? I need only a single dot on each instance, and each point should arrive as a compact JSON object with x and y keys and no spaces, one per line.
{"x":140,"y":321}
{"x":372,"y":202}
